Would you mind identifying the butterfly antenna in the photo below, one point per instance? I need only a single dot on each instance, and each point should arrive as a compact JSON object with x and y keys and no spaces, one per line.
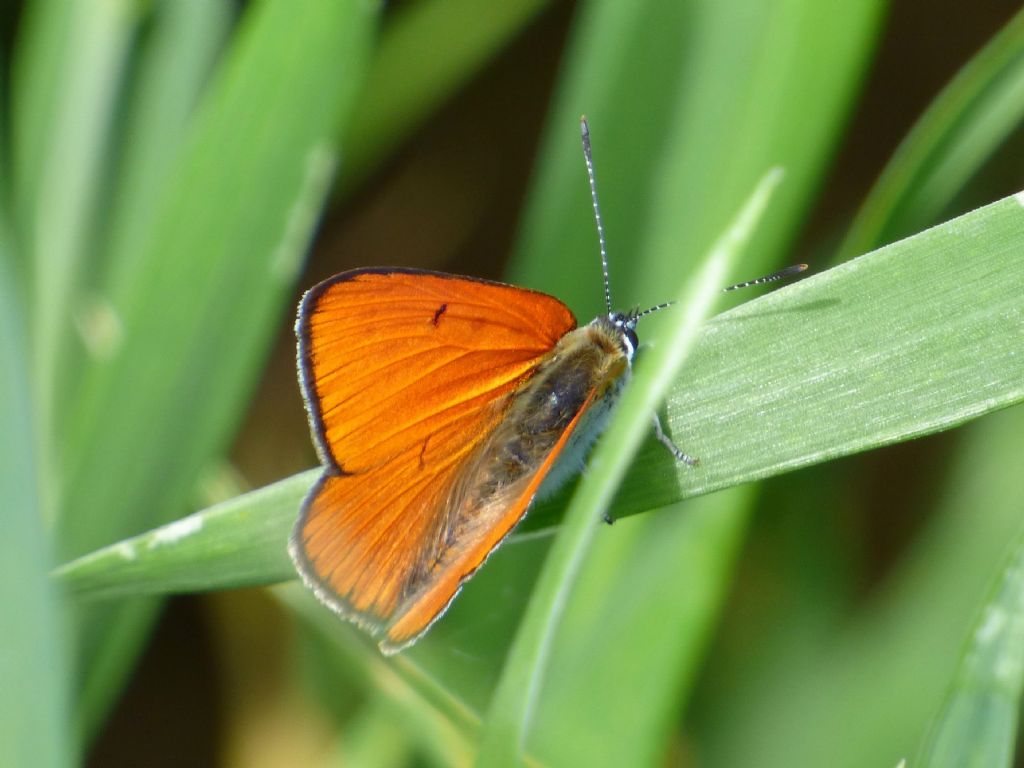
{"x":589,"y":157}
{"x":653,"y":309}
{"x":782,"y":274}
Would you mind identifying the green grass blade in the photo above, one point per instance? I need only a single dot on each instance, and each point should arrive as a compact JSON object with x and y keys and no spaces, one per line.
{"x":647,"y":599}
{"x":173,"y":63}
{"x":951,"y":354}
{"x":65,"y":76}
{"x":978,"y":725}
{"x":174,"y":66}
{"x":411,"y":74}
{"x":957,"y":134}
{"x":210,"y":284}
{"x":960,"y":130}
{"x":199,"y":304}
{"x":66,"y":72}
{"x":673,"y":156}
{"x":514,"y":698}
{"x":375,"y":737}
{"x":34,"y":696}
{"x":888,"y":666}
{"x":200,"y":552}
{"x":437,"y":720}
{"x":867,"y":350}
{"x":650,"y":76}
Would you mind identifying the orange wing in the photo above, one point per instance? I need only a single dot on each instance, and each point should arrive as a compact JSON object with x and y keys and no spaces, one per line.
{"x":406,"y":375}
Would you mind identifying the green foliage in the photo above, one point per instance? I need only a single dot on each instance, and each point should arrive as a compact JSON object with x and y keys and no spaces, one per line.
{"x":166,"y":298}
{"x":978,"y":725}
{"x":967,"y":122}
{"x":516,"y":694}
{"x":34,"y":724}
{"x":167,"y":164}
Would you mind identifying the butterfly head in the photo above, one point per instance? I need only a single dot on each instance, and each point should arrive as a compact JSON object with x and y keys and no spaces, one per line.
{"x":623,"y":326}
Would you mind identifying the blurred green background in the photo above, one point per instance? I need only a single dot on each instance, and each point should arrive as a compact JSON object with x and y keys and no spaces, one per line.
{"x":173,"y":175}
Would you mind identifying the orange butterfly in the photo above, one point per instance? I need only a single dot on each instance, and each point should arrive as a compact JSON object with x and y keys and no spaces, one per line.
{"x":440,"y":406}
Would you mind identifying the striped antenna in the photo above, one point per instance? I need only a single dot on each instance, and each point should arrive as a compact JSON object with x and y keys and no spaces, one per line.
{"x":780,"y":275}
{"x":653,"y":309}
{"x":589,"y":157}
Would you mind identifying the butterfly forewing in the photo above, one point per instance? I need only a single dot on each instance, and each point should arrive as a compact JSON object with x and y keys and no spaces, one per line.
{"x":406,"y":376}
{"x":388,"y":357}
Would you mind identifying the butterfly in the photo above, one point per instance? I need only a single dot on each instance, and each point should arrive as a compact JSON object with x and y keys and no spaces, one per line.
{"x":440,"y":407}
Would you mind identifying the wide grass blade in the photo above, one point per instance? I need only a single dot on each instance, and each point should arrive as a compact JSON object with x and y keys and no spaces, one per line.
{"x":203,"y":551}
{"x":952,"y":355}
{"x":864,"y":347}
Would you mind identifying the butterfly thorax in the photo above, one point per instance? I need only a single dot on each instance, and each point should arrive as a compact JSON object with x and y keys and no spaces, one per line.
{"x":574,"y":387}
{"x":586,"y":366}
{"x":586,"y":370}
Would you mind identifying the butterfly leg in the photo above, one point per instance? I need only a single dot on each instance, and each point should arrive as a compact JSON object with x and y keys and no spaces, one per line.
{"x":675,"y":450}
{"x":687,"y":459}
